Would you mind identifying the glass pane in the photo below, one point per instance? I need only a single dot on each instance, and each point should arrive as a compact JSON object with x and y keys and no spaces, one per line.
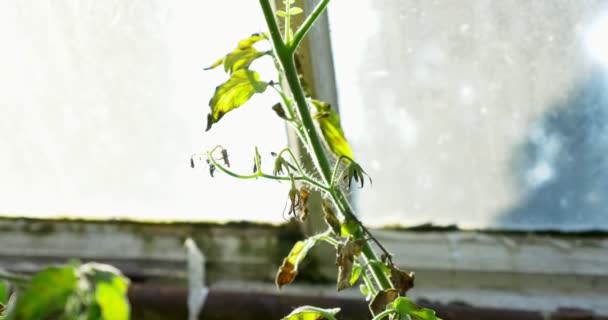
{"x":104,"y":102}
{"x":484,"y":114}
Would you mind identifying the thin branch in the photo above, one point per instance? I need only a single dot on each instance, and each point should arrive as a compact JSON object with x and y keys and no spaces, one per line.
{"x":303,"y":29}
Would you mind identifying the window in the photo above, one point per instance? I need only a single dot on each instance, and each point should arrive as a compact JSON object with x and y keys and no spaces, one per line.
{"x":104,"y":103}
{"x":484,"y":114}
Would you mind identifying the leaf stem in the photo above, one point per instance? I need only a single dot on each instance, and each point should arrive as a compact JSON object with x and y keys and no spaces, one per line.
{"x":260,"y":174}
{"x":306,"y":25}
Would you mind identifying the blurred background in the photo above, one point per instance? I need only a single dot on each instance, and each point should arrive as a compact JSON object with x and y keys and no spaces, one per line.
{"x":483,"y":124}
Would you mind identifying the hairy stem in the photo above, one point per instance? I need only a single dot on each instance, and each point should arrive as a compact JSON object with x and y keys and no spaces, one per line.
{"x":285,"y":56}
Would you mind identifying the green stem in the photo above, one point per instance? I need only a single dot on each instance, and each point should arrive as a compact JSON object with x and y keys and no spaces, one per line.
{"x":299,"y":35}
{"x":285,"y":55}
{"x":260,"y":174}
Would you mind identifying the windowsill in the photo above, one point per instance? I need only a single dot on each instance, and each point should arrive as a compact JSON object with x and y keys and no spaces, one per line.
{"x":541,"y":272}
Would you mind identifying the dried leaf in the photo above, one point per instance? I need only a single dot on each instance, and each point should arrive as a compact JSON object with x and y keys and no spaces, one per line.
{"x":330,"y":217}
{"x":225,"y":157}
{"x":345,"y":258}
{"x":289,"y":268}
{"x":402,"y":280}
{"x":382,"y":299}
{"x":303,"y":207}
{"x":278,"y":109}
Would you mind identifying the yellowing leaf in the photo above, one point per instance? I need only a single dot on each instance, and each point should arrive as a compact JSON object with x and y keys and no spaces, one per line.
{"x":253,"y":39}
{"x":239,"y":59}
{"x":242,"y":56}
{"x":289,"y":268}
{"x":312,"y":313}
{"x":329,"y":122}
{"x":111,"y":296}
{"x":241,"y":86}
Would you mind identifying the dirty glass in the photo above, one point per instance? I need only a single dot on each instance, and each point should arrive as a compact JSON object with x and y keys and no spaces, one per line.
{"x":103,"y":103}
{"x":482,"y":114}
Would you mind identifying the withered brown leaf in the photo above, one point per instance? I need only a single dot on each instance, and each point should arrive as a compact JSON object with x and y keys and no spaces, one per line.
{"x":381,"y":299}
{"x":345,"y":258}
{"x":402,"y":280}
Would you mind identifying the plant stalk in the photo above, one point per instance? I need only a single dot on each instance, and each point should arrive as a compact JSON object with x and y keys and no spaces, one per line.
{"x":285,"y":55}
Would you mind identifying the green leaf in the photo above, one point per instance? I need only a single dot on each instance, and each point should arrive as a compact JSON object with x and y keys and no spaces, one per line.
{"x":349,"y":228}
{"x":364,"y":290}
{"x":329,"y":122}
{"x":404,"y":306}
{"x":111,"y":295}
{"x":357,"y":270}
{"x":3,"y":293}
{"x":241,"y":86}
{"x":293,"y":11}
{"x":289,"y":268}
{"x":312,"y":313}
{"x":47,"y":294}
{"x":281,"y":13}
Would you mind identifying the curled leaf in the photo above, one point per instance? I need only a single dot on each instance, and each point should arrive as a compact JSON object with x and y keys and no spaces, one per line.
{"x":242,"y":56}
{"x":303,"y":207}
{"x":253,"y":39}
{"x":402,"y":281}
{"x":241,"y":59}
{"x":329,"y":122}
{"x":312,"y":313}
{"x":382,"y":299}
{"x":330,"y":217}
{"x":289,"y":268}
{"x":241,"y":86}
{"x":278,"y":109}
{"x":345,"y":259}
